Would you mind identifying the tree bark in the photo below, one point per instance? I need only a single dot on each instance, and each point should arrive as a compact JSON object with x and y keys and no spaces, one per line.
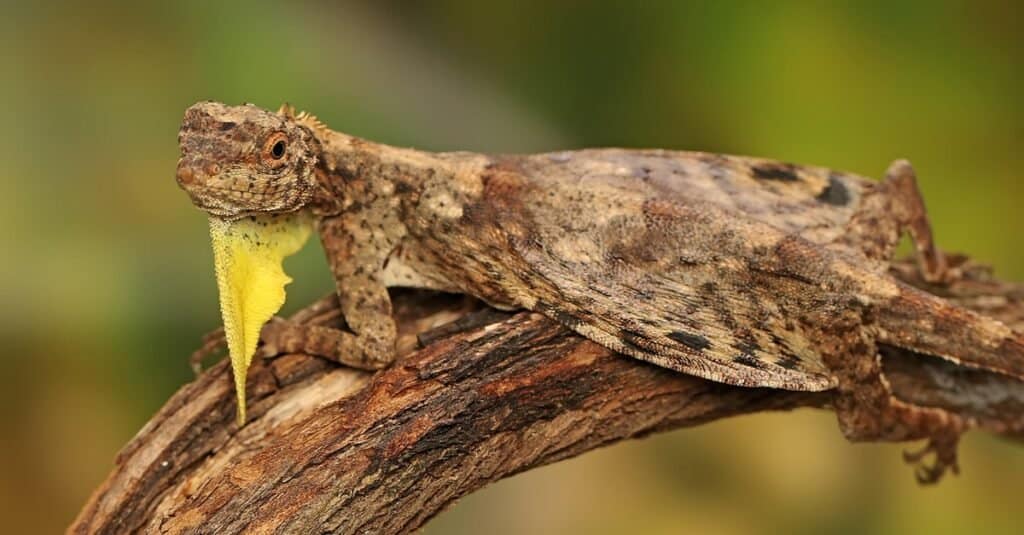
{"x":488,"y":395}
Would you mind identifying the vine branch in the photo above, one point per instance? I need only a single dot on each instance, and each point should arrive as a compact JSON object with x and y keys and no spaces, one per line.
{"x":476,"y":395}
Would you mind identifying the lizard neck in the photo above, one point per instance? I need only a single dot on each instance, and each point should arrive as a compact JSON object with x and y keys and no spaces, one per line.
{"x":354,"y":172}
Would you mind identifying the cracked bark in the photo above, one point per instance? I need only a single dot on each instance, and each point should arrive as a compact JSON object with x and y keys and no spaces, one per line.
{"x":330,"y":449}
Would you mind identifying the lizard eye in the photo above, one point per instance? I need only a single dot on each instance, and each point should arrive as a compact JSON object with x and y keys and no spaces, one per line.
{"x":275,"y":149}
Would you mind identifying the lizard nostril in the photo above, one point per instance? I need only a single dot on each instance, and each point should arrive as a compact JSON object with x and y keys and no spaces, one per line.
{"x":211,"y":169}
{"x":185,"y":175}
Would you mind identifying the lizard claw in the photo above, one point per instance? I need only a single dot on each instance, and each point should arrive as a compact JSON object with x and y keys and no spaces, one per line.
{"x":947,"y":270}
{"x":944,"y":450}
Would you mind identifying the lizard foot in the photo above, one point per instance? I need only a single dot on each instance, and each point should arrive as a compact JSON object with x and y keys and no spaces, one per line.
{"x":944,"y":449}
{"x":274,"y":337}
{"x":323,"y":311}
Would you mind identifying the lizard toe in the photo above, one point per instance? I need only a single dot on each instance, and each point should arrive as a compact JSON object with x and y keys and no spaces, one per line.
{"x":944,"y":449}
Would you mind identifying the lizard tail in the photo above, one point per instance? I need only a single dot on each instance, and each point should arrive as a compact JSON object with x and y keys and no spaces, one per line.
{"x":923,"y":323}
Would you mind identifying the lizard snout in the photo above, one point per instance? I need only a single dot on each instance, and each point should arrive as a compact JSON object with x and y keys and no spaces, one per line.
{"x":215,"y":190}
{"x":185,"y":175}
{"x":194,"y":176}
{"x":192,"y":172}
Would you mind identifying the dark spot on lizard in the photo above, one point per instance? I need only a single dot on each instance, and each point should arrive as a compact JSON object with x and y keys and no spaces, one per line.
{"x":790,"y":362}
{"x":835,"y":193}
{"x":227,"y":125}
{"x":748,"y":360}
{"x":633,"y":341}
{"x":775,"y":171}
{"x":692,"y":341}
{"x":748,"y":347}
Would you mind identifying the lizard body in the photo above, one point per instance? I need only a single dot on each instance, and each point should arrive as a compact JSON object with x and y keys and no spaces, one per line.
{"x":740,"y":270}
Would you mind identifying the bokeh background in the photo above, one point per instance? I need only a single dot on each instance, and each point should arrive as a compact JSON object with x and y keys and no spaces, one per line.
{"x":106,"y":281}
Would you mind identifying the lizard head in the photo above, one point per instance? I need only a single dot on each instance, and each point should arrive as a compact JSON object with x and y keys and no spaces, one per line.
{"x":238,"y":161}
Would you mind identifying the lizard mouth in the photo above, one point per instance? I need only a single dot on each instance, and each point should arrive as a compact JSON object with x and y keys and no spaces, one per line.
{"x":224,"y":209}
{"x":214,"y":200}
{"x":231,"y":203}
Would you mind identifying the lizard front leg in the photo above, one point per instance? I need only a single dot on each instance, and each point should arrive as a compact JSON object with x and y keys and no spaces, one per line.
{"x":356,"y":251}
{"x":367,"y":311}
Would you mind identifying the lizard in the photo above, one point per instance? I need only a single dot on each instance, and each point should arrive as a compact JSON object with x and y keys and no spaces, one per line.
{"x":741,"y":270}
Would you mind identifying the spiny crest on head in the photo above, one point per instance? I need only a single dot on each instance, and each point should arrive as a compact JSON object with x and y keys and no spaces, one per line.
{"x":287,"y":110}
{"x":304,"y":118}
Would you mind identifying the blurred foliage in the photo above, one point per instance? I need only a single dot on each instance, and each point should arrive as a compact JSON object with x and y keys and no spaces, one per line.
{"x":107,"y":272}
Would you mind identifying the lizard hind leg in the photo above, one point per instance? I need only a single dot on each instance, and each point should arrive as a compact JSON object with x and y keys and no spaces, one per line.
{"x":944,"y":448}
{"x":909,"y":211}
{"x":868,"y":409}
{"x":889,"y":209}
{"x":871,"y":413}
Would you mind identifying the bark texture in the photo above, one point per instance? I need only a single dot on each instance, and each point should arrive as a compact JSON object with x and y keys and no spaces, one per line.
{"x":478,"y":396}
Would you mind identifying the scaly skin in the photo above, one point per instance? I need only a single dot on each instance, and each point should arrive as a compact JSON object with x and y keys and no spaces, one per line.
{"x":739,"y":270}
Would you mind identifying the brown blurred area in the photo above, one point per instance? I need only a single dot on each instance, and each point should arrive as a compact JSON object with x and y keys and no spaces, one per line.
{"x":107,"y":280}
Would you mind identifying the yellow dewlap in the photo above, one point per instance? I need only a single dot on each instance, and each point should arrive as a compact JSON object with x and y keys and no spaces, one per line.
{"x":248,"y":255}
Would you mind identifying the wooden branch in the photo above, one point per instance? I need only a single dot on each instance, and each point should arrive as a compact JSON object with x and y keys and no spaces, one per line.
{"x":330,"y":449}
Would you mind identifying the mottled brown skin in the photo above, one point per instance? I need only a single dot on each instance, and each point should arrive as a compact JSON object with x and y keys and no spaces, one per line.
{"x":739,"y":270}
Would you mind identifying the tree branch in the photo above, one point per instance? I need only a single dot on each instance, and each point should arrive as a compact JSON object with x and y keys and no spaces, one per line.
{"x":490,"y":395}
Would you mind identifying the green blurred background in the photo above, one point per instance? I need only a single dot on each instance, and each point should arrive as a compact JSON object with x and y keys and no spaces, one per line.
{"x":107,"y":275}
